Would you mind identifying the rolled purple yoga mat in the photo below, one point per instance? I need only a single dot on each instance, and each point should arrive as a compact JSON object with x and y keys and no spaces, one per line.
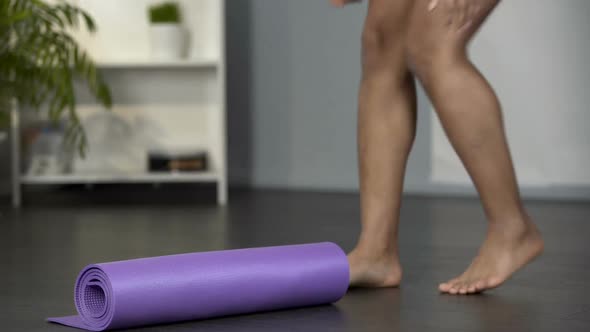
{"x":194,"y":286}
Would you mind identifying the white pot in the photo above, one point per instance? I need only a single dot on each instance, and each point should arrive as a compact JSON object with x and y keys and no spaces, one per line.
{"x":168,"y":41}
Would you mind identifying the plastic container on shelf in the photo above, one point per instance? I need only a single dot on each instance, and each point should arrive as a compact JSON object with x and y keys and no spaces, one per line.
{"x":49,"y":155}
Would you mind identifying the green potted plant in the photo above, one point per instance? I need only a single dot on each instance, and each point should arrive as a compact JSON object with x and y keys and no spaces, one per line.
{"x":40,"y":62}
{"x":166,"y":33}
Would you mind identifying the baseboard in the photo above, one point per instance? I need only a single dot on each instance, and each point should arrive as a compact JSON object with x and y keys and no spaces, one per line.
{"x":561,"y":193}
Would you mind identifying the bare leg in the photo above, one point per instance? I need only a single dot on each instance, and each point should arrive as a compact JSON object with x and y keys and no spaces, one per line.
{"x":470,"y":114}
{"x":386,"y":130}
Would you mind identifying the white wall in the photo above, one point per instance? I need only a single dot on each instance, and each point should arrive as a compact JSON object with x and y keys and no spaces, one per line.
{"x":294,"y":71}
{"x":536,"y":54}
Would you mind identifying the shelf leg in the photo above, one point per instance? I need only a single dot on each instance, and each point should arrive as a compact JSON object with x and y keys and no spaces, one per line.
{"x":222,"y":193}
{"x":15,"y":154}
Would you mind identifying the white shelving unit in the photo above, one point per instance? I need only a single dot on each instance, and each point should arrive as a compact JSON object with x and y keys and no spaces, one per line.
{"x":121,"y":178}
{"x":183,"y":99}
{"x":155,"y":63}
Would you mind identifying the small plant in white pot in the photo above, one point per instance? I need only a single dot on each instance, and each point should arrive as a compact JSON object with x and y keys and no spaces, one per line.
{"x":168,"y":39}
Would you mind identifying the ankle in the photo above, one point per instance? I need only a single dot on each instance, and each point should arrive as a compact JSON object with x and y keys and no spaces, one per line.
{"x":518,"y":228}
{"x":377,"y":240}
{"x":373,"y":251}
{"x":507,"y":229}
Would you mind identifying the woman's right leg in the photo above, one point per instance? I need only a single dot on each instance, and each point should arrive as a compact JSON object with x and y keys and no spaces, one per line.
{"x":386,"y":130}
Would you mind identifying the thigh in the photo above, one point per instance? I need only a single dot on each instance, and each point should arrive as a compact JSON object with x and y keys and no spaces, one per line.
{"x":448,"y":26}
{"x":389,"y":14}
{"x":385,"y":30}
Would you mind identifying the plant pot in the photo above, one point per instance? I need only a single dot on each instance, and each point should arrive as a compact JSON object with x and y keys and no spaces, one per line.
{"x":168,"y":41}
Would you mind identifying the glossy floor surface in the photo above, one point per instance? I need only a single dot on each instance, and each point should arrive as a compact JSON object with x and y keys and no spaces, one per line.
{"x":44,"y":245}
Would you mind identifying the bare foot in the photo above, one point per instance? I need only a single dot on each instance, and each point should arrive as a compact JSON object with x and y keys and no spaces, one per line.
{"x":370,"y":270}
{"x":504,"y":252}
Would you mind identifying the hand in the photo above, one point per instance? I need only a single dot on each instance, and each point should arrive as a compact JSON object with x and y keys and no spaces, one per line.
{"x":461,"y":13}
{"x":342,"y":3}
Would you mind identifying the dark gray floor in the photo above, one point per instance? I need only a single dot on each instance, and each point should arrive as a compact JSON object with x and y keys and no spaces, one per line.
{"x":43,"y":247}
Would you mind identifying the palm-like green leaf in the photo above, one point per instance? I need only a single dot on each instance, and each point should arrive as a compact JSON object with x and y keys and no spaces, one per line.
{"x":39,"y":61}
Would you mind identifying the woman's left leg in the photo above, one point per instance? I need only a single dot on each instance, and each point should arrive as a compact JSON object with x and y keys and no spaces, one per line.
{"x":470,"y":114}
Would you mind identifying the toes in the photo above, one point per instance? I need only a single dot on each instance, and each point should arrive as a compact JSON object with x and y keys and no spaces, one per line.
{"x":480,"y":285}
{"x":446,"y":287}
{"x":493,"y":282}
{"x":486,"y":284}
{"x":456,"y":288}
{"x":463,"y":289}
{"x":459,"y":286}
{"x":473,"y":282}
{"x":469,"y":287}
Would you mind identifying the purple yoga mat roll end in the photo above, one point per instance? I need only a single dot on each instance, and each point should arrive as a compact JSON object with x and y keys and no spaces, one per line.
{"x":71,"y":321}
{"x":204,"y":285}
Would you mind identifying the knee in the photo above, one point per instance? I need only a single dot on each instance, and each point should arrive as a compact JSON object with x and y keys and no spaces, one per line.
{"x":382,"y":51}
{"x":425,"y":57}
{"x":371,"y":43}
{"x":421,"y":56}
